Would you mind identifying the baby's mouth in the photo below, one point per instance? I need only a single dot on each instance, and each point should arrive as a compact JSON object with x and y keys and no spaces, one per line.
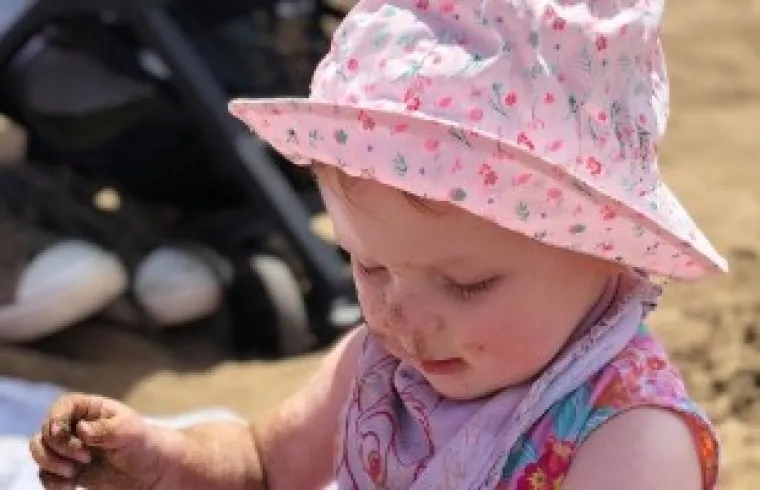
{"x":447,"y":366}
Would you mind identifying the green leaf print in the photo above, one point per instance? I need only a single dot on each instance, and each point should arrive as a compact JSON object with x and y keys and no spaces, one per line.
{"x":533,"y":39}
{"x":459,"y":135}
{"x":570,"y":413}
{"x":380,"y":39}
{"x":400,"y":165}
{"x":577,"y":228}
{"x":522,"y":453}
{"x":458,"y":194}
{"x":341,"y":136}
{"x":522,"y":211}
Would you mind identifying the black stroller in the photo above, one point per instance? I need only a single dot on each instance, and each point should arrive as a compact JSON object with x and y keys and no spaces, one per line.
{"x":159,"y":132}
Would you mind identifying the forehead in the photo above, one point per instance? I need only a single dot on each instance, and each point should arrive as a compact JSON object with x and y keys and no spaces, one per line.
{"x":378,"y":221}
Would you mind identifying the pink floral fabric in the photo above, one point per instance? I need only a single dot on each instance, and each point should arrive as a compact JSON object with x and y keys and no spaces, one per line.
{"x":544,"y":117}
{"x":641,"y":375}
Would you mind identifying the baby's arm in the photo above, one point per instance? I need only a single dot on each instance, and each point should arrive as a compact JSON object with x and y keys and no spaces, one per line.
{"x":297,"y":444}
{"x":294,"y":449}
{"x":643,"y":448}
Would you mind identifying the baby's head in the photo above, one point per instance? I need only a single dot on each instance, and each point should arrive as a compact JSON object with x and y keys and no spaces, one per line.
{"x":528,"y":132}
{"x":438,"y":283}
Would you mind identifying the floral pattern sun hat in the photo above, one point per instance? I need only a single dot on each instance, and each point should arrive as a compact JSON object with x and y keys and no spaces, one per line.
{"x":543,"y":116}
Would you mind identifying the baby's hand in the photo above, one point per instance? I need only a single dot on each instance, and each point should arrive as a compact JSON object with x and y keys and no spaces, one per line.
{"x":96,"y":443}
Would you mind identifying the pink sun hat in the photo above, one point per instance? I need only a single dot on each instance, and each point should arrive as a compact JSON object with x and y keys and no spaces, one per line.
{"x":543,"y":116}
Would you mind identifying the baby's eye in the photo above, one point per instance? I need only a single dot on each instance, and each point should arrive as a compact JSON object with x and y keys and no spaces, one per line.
{"x":466,"y":291}
{"x":369,"y":270}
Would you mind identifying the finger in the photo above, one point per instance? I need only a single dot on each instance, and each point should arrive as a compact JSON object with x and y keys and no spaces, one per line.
{"x":58,"y":437}
{"x":51,"y":481}
{"x":101,"y":433}
{"x":123,"y":429}
{"x":50,"y":461}
{"x":76,"y":406}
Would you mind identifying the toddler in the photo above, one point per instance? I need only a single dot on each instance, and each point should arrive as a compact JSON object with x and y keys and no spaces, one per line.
{"x":491,"y":168}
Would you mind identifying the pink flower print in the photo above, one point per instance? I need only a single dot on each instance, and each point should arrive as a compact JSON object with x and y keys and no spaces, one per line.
{"x":554,"y":146}
{"x":510,"y":99}
{"x":601,"y":42}
{"x":353,"y":99}
{"x":382,"y":64}
{"x":553,"y":194}
{"x":447,"y":7}
{"x":432,"y":144}
{"x":476,"y":114}
{"x":606,"y":247}
{"x":443,"y":102}
{"x":476,"y":92}
{"x":522,"y":139}
{"x":521,"y":179}
{"x":559,"y":24}
{"x":594,"y":166}
{"x":489,"y":176}
{"x":413,"y":103}
{"x":423,"y":4}
{"x":656,"y":363}
{"x":601,"y":116}
{"x":555,"y":460}
{"x":549,"y":14}
{"x":534,"y":477}
{"x":456,"y":166}
{"x":608,"y":213}
{"x":367,"y":122}
{"x":374,"y":466}
{"x":352,"y":64}
{"x":549,"y":98}
{"x":399,"y":128}
{"x":642,"y":118}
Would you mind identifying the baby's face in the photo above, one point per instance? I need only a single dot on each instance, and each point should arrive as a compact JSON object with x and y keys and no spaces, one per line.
{"x":474,"y":307}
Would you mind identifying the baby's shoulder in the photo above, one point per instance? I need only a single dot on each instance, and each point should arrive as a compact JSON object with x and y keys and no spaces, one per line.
{"x":640,"y":381}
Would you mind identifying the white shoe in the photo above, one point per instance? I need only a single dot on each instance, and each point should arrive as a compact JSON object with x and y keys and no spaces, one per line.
{"x":176,"y":285}
{"x":60,"y":285}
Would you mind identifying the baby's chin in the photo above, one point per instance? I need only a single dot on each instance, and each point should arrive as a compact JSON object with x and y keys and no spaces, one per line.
{"x":460,"y":390}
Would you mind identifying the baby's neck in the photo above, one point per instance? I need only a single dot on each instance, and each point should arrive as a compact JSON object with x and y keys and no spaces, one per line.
{"x":607,"y":298}
{"x":598,"y":310}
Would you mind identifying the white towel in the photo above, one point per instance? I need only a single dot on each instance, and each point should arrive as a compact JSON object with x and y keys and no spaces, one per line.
{"x":23,"y":407}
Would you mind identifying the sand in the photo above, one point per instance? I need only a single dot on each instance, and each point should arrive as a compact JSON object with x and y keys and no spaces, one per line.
{"x":713,"y":329}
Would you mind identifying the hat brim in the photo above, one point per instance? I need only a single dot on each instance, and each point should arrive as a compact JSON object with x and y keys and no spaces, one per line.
{"x":656,"y":234}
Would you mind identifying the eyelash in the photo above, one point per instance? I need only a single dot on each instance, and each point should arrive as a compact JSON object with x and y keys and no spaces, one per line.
{"x":462,"y":292}
{"x":466,"y":292}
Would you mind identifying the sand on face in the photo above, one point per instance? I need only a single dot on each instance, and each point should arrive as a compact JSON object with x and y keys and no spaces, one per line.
{"x":710,"y":159}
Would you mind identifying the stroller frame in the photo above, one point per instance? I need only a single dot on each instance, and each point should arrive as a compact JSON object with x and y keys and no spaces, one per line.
{"x":237,"y":147}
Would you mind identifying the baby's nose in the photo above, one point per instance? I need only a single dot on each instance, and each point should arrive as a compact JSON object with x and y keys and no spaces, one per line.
{"x":409,"y":315}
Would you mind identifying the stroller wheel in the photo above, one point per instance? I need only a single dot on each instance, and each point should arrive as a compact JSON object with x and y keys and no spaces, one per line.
{"x":286,"y":300}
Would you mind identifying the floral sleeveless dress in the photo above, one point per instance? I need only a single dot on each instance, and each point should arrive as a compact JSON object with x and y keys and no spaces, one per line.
{"x":640,"y":375}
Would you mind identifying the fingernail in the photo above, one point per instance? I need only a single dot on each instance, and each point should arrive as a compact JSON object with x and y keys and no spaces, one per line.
{"x":84,"y":428}
{"x":68,"y":471}
{"x":84,"y":457}
{"x":55,"y":428}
